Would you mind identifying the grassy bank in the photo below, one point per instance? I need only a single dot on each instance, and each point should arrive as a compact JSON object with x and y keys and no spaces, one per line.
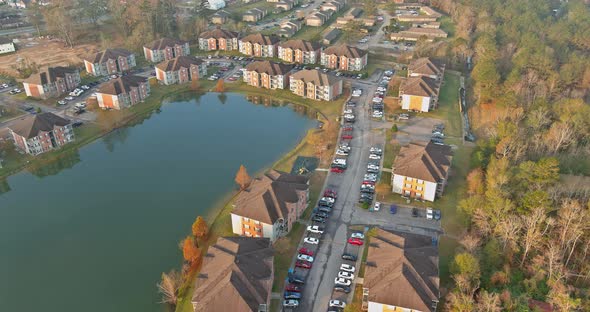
{"x":448,"y":106}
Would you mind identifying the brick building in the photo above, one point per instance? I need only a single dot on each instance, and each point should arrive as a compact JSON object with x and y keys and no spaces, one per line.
{"x":180,"y":70}
{"x":52,"y":82}
{"x":40,"y":133}
{"x":218,"y":39}
{"x":123,"y":92}
{"x":165,"y":49}
{"x":110,"y":61}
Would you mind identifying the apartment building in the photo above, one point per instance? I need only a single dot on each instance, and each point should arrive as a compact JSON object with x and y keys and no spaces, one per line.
{"x":344,"y":57}
{"x":180,"y":70}
{"x":52,"y":82}
{"x":109,"y":62}
{"x":123,"y":92}
{"x":218,"y":39}
{"x":165,"y":49}
{"x":267,"y":74}
{"x":299,"y":51}
{"x":259,"y":45}
{"x":40,"y":133}
{"x":315,"y":85}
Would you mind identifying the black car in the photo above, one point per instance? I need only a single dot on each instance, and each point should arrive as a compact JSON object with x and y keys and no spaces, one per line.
{"x":341,"y":288}
{"x":321,"y":214}
{"x":296,"y":280}
{"x":367,"y":191}
{"x":350,"y":257}
{"x":318,"y":219}
{"x":325,"y":209}
{"x":367,"y":196}
{"x":415,"y":212}
{"x":324,"y":203}
{"x":77,"y":124}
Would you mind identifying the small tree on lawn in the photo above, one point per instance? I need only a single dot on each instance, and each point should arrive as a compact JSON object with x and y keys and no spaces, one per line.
{"x":242,"y":178}
{"x":169,"y":287}
{"x":200,"y":228}
{"x":394,"y":128}
{"x":220,"y":87}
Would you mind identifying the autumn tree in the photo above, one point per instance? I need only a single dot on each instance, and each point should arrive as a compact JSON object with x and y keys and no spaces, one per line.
{"x":475,"y":182}
{"x":220,"y":87}
{"x":242,"y":178}
{"x":190,"y":251}
{"x":62,"y":20}
{"x":200,"y":228}
{"x":168,"y":287}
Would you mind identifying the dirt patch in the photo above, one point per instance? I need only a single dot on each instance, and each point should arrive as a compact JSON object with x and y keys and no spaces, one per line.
{"x":42,"y":52}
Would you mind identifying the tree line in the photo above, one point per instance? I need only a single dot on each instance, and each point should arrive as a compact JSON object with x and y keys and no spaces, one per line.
{"x":528,"y":236}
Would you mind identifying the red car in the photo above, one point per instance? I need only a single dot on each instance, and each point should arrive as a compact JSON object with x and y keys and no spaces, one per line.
{"x":306,"y":251}
{"x":304,"y":264}
{"x":347,"y":128}
{"x":292,"y":288}
{"x":347,"y":136}
{"x":329,"y":193}
{"x":337,"y":170}
{"x":355,"y":241}
{"x":369,"y":182}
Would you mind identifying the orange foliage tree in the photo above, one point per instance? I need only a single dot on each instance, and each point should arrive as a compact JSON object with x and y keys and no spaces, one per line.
{"x":200,"y":228}
{"x":220,"y":87}
{"x":242,"y":178}
{"x":190,"y":251}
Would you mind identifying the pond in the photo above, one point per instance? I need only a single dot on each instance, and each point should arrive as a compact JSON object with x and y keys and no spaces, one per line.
{"x":94,"y":230}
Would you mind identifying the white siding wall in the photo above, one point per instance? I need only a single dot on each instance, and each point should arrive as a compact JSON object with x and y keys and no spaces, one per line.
{"x":430,"y":191}
{"x":398,"y":183}
{"x":236,"y":224}
{"x":270,"y":231}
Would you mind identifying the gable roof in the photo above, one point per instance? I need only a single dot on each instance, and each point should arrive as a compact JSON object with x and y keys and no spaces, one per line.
{"x":266,"y":198}
{"x":261,"y":39}
{"x":30,"y":126}
{"x":332,"y":34}
{"x":236,"y":275}
{"x":222,"y":14}
{"x":315,"y":76}
{"x":429,"y":32}
{"x":428,"y":162}
{"x":163,"y":43}
{"x":298,"y":44}
{"x":409,"y":262}
{"x":218,"y":33}
{"x":345,"y":50}
{"x":50,"y":75}
{"x":121,"y":85}
{"x":425,"y":66}
{"x":421,"y":86}
{"x":270,"y":68}
{"x":178,"y":63}
{"x":4,"y":40}
{"x":110,"y":54}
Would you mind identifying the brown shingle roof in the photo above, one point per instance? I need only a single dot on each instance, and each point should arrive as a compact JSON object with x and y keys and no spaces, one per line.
{"x":429,"y":32}
{"x":30,"y":126}
{"x":429,"y":162}
{"x":4,"y":40}
{"x":315,"y":76}
{"x":430,"y":12}
{"x":421,"y":86}
{"x":407,"y":262}
{"x":237,"y":275}
{"x":270,"y":68}
{"x":261,"y":39}
{"x":163,"y":43}
{"x":49,"y":75}
{"x":218,"y":33}
{"x":265,"y":200}
{"x":298,"y":44}
{"x":179,"y":62}
{"x":121,"y":85}
{"x":110,"y":54}
{"x":425,"y":66}
{"x":345,"y":50}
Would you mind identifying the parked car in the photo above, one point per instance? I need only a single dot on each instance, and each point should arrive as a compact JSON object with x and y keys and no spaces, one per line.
{"x":291,"y":303}
{"x":293,"y":288}
{"x":437,"y":215}
{"x":68,"y":98}
{"x":346,"y":275}
{"x":292,"y":295}
{"x":429,"y":214}
{"x":321,"y":214}
{"x":315,"y":229}
{"x":303,"y":264}
{"x":347,"y":256}
{"x":393,"y":209}
{"x":347,"y":267}
{"x":374,"y":156}
{"x":305,"y":251}
{"x":340,"y":288}
{"x":336,"y":170}
{"x":337,"y":304}
{"x":311,"y":240}
{"x":305,"y":257}
{"x":415,"y":213}
{"x":355,"y":241}
{"x":325,"y":209}
{"x":318,"y":219}
{"x":377,"y":206}
{"x":358,"y":235}
{"x":77,"y":124}
{"x":342,"y":281}
{"x":295,"y":280}
{"x":330,"y":193}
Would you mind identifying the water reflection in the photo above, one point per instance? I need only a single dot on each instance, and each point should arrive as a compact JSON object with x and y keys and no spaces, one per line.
{"x":118,"y":136}
{"x":65,"y":160}
{"x":4,"y":186}
{"x":269,"y":101}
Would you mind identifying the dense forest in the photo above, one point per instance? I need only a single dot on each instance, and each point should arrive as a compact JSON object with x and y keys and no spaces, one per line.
{"x":529,"y":230}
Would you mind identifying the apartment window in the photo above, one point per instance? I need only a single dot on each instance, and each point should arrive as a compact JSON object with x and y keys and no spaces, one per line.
{"x":258,"y":230}
{"x":247,"y":233}
{"x":246,"y":219}
{"x":420,"y":181}
{"x":246,"y":226}
{"x":409,"y":185}
{"x":257,"y":222}
{"x":419,"y":188}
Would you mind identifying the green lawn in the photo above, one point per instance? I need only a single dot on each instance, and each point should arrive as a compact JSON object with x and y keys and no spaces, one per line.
{"x":313,"y":33}
{"x":447,"y":25}
{"x":448,"y":106}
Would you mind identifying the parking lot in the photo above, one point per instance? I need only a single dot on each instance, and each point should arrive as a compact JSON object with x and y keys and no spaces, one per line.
{"x":416,"y":128}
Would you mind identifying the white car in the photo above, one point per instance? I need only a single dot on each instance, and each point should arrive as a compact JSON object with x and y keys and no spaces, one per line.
{"x":291,"y":303}
{"x":377,"y":206}
{"x":374,"y":156}
{"x":341,"y":152}
{"x":339,"y":161}
{"x":377,"y":115}
{"x":349,"y":116}
{"x":357,"y":235}
{"x":376,"y":150}
{"x":311,"y":240}
{"x":429,"y":213}
{"x":61,"y":102}
{"x":342,"y":281}
{"x":347,"y":267}
{"x":337,"y":304}
{"x":346,"y":275}
{"x":305,"y":257}
{"x":80,"y":105}
{"x":315,"y":229}
{"x":68,"y":98}
{"x":372,"y":167}
{"x":328,"y":199}
{"x":85,"y":87}
{"x":348,"y":111}
{"x":404,"y":117}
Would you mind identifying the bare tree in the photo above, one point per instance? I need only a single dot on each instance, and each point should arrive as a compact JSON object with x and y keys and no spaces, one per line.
{"x":508,"y":230}
{"x":488,"y":302}
{"x":560,"y":135}
{"x":169,"y":286}
{"x":471,"y":241}
{"x":532,"y":232}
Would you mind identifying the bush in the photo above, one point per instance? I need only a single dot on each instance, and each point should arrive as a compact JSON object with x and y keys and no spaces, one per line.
{"x":394,"y":128}
{"x":365,"y":206}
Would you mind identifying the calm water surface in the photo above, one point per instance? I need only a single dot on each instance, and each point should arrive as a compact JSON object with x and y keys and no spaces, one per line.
{"x":94,"y":230}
